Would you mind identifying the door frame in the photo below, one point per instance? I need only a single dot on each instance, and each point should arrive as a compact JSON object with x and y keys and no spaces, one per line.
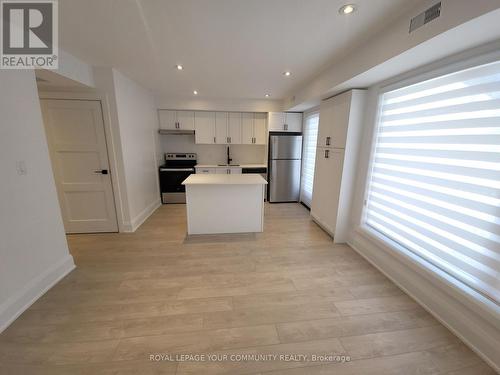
{"x":112,"y":148}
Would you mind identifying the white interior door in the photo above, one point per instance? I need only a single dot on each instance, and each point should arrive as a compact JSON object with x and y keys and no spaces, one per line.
{"x":77,"y":144}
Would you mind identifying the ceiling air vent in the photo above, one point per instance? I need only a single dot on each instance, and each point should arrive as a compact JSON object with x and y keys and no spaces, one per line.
{"x":425,"y":17}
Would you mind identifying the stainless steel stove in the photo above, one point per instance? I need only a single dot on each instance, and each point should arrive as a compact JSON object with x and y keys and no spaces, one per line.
{"x":176,"y":169}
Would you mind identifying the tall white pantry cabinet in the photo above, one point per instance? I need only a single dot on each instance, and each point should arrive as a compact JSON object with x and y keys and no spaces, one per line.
{"x":339,"y":133}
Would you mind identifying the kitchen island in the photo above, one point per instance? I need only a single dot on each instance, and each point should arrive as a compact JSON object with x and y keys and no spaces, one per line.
{"x":225,"y":203}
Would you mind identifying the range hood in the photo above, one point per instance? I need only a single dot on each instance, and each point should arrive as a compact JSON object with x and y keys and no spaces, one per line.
{"x":176,"y":132}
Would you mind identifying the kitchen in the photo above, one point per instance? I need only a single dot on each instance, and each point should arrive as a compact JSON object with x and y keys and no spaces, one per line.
{"x":245,"y":135}
{"x":251,"y":187}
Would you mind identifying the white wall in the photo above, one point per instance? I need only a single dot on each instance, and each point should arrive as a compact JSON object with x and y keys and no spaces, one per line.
{"x":214,"y":154}
{"x":33,"y":250}
{"x":138,"y":122}
{"x":236,"y":105}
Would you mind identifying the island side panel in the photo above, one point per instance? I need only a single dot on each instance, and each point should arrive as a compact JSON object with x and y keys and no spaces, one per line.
{"x":215,"y":209}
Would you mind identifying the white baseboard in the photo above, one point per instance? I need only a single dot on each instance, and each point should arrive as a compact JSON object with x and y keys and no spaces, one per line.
{"x":477,"y":326}
{"x":136,"y":222}
{"x":11,"y":309}
{"x":321,"y":225}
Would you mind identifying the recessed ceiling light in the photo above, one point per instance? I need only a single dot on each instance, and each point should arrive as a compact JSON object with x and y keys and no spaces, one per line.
{"x":195,"y":92}
{"x":179,"y":67}
{"x":287,"y":73}
{"x":267,"y":95}
{"x":347,"y":9}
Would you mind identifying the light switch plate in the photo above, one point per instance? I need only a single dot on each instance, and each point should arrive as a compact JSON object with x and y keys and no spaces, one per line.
{"x":21,"y":167}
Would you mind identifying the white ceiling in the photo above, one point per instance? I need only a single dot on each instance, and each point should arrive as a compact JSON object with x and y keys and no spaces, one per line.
{"x":229,"y":48}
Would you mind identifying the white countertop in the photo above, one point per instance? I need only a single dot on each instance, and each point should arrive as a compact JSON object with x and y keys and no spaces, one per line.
{"x":228,"y":166}
{"x":225,"y":179}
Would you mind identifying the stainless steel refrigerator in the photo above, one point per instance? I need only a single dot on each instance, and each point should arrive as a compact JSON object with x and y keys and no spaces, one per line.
{"x":285,"y":159}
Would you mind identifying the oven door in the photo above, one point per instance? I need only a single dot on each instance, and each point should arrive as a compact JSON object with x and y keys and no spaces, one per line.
{"x":172,"y":190}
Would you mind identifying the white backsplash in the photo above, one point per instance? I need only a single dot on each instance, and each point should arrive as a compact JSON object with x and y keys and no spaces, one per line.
{"x":214,"y":154}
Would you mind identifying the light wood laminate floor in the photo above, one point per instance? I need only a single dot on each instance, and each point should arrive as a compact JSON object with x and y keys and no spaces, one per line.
{"x":286,"y":291}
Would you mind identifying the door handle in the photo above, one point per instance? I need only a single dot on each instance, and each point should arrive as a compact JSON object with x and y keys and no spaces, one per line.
{"x":102,"y":171}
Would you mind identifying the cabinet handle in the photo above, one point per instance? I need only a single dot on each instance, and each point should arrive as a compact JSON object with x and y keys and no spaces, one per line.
{"x":229,"y":139}
{"x":285,"y":127}
{"x":328,"y":141}
{"x":327,"y":154}
{"x":215,"y":141}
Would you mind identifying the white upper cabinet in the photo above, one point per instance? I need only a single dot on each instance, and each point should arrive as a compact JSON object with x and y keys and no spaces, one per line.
{"x":253,"y":128}
{"x":293,"y":122}
{"x":217,"y":127}
{"x":205,"y":127}
{"x":176,"y":120}
{"x":334,"y":120}
{"x":234,"y":127}
{"x":247,"y":121}
{"x":185,"y":119}
{"x":168,"y":119}
{"x":259,"y":129}
{"x":276,"y":121}
{"x":228,"y":128}
{"x":221,"y":136}
{"x":285,"y":121}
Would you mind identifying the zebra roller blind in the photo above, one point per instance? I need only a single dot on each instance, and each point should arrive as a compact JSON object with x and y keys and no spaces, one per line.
{"x":435,"y":174}
{"x":309,"y":157}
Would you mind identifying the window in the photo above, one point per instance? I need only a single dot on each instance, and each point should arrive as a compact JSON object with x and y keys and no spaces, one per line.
{"x":309,"y":157}
{"x":435,"y":174}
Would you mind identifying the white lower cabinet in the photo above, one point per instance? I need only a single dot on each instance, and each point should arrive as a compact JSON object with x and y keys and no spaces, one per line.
{"x":228,"y":170}
{"x":326,"y":188}
{"x":218,"y":170}
{"x":200,"y":170}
